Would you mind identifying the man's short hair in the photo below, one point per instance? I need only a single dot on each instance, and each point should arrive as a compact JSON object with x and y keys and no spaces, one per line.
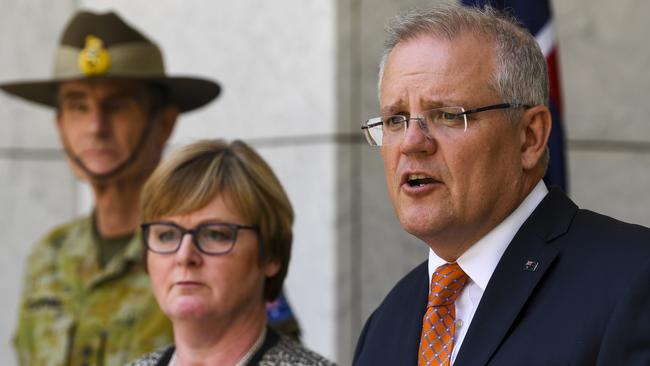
{"x":521,"y":71}
{"x":194,"y":175}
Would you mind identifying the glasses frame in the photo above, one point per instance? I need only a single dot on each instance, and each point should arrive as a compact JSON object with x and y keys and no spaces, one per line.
{"x":379,"y":121}
{"x":235,"y":227}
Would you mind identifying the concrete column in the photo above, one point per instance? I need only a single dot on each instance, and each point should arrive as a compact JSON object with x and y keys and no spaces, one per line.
{"x":36,"y":189}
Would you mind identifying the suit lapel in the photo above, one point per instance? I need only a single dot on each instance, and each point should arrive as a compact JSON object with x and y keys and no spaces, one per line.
{"x":392,"y":334}
{"x":409,"y":326}
{"x":519,"y":271}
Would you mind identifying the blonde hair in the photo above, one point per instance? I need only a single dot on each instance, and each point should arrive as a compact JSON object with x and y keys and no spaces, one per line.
{"x":193,"y":175}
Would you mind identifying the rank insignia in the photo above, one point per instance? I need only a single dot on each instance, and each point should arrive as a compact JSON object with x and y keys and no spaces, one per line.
{"x":94,"y":59}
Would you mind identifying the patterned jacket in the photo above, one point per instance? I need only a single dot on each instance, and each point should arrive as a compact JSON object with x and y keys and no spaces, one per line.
{"x":276,"y":350}
{"x":73,"y":312}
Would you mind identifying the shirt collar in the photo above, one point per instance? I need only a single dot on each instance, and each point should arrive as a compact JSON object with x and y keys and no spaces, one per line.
{"x":480,"y":260}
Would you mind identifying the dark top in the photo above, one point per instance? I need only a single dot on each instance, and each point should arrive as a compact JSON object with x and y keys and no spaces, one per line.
{"x":276,"y":350}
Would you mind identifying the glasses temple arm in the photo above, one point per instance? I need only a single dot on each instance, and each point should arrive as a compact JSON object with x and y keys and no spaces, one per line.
{"x":496,"y":106}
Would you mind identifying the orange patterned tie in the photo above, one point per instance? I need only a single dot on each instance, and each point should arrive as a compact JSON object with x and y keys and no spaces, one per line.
{"x":439,"y":322}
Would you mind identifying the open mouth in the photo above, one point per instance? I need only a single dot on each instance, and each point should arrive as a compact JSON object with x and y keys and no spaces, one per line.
{"x":419,"y":180}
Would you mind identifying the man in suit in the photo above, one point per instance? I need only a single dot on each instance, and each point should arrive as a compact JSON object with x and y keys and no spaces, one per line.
{"x":517,"y":274}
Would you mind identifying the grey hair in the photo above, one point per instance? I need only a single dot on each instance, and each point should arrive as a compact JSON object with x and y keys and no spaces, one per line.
{"x":520,"y":75}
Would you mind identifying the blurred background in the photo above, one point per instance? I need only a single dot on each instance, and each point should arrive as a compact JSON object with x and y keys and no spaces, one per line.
{"x":299,"y":77}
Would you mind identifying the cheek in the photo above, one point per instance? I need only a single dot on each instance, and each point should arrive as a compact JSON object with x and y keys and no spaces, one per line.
{"x":245,"y":270}
{"x":390,"y":158}
{"x":230,"y":271}
{"x":129,"y":137}
{"x":130,"y":126}
{"x":67,"y":134}
{"x":503,"y":158}
{"x":158,"y":270}
{"x":470,"y":167}
{"x":482,"y":169}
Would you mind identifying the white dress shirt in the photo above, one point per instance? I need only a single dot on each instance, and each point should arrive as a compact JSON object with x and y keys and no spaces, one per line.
{"x":480,"y":260}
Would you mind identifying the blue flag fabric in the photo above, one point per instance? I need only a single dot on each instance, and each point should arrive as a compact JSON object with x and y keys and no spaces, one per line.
{"x":536,"y":16}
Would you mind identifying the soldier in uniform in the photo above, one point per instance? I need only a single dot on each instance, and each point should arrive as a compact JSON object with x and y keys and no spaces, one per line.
{"x":86,"y":297}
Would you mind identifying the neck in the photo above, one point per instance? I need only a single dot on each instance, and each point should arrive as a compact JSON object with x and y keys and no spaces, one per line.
{"x":217,"y":342}
{"x":117,"y":208}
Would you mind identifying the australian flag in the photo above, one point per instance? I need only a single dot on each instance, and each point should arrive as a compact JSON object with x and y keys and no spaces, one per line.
{"x":536,"y":16}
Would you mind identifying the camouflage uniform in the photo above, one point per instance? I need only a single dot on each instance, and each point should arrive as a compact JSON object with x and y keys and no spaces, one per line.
{"x":73,"y":312}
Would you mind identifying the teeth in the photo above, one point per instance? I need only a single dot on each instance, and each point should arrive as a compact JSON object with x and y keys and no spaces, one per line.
{"x":417,"y":176}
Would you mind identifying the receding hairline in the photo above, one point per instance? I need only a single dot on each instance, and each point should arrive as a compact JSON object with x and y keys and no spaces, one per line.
{"x":433,"y":33}
{"x":446,"y":21}
{"x":510,"y":44}
{"x":468,"y":35}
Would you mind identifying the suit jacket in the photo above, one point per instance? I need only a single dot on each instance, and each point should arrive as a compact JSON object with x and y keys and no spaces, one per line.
{"x":572,"y":288}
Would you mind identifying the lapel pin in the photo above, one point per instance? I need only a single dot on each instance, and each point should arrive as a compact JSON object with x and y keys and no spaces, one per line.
{"x":530,"y":266}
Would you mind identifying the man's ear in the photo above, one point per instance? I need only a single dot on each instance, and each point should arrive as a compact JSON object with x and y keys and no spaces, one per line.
{"x":535,"y":130}
{"x":167,"y":120}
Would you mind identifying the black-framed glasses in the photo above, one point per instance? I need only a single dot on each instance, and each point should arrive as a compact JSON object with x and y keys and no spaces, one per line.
{"x":165,"y":237}
{"x":390,"y":130}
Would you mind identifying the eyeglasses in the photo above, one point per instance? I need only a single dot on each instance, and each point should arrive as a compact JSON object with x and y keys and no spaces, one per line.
{"x":390,"y":130}
{"x":209,"y":238}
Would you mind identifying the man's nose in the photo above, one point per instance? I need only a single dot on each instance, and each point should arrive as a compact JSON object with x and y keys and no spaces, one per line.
{"x":98,"y":121}
{"x":420,"y":122}
{"x":417,"y":137}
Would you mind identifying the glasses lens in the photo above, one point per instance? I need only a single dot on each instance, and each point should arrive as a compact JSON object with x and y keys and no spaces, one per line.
{"x":372,"y":131}
{"x":216,"y":238}
{"x":163,"y":238}
{"x":393,"y":129}
{"x":447,"y":116}
{"x":389,"y":130}
{"x":382,"y":131}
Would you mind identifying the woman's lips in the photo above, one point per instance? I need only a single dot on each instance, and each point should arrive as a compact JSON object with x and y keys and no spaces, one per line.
{"x":188,"y":283}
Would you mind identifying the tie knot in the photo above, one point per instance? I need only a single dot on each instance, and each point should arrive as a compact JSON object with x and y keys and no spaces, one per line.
{"x":447,"y":283}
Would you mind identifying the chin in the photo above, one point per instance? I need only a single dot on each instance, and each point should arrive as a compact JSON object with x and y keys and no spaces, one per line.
{"x":188,"y":309}
{"x":101,"y":168}
{"x":421,"y":223}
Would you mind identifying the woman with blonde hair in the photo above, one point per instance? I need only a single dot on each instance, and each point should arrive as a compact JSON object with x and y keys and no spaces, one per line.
{"x":217,"y":229}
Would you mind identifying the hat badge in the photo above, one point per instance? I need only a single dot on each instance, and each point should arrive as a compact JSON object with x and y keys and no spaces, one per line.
{"x":94,"y":59}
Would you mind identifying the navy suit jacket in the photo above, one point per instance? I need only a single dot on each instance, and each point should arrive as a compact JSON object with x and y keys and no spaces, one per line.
{"x":572,"y":288}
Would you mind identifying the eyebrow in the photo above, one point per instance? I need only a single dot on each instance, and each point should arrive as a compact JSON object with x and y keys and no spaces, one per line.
{"x":426,"y":105}
{"x":72,"y":94}
{"x":391,"y":109}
